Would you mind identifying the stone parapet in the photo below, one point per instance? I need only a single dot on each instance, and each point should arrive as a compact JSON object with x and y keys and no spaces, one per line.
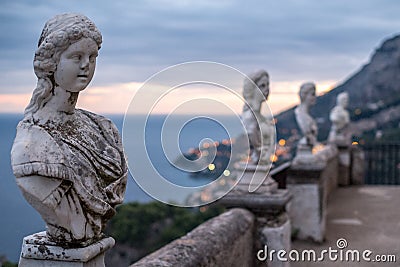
{"x":226,"y":240}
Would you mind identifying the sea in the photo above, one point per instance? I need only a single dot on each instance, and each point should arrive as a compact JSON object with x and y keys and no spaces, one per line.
{"x":19,"y":219}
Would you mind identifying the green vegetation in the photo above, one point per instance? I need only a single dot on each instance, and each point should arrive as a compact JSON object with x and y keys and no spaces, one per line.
{"x":151,"y":225}
{"x":5,"y":263}
{"x":9,"y":264}
{"x":366,"y":112}
{"x":387,"y":135}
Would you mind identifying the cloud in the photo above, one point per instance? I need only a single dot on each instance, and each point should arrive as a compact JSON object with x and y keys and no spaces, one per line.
{"x":190,"y":99}
{"x":293,"y":40}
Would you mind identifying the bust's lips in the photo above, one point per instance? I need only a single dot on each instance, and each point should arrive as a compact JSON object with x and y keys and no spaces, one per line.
{"x":82,"y":76}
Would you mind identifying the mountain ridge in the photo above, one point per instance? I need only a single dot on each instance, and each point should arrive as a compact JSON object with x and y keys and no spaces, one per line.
{"x":374,"y":88}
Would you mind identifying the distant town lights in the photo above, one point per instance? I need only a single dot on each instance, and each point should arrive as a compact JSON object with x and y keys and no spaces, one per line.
{"x":317,"y":148}
{"x":211,"y":167}
{"x":225,"y":142}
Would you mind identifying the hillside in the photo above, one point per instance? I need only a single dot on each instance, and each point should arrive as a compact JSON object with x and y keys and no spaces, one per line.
{"x":374,"y":93}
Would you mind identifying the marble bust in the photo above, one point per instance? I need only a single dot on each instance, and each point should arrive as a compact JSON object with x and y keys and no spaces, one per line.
{"x":69,"y":163}
{"x":340,"y":119}
{"x":260,"y":130}
{"x":304,"y":120}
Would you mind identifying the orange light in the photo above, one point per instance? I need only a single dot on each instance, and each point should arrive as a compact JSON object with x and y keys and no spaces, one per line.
{"x":354,"y":143}
{"x":317,"y":148}
{"x":205,"y":196}
{"x":273,"y":158}
{"x":282,"y":142}
{"x":204,"y":153}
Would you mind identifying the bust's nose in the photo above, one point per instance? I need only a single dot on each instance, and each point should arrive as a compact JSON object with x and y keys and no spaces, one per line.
{"x":84,"y":62}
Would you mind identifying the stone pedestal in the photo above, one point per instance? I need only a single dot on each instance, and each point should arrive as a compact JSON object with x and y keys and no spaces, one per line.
{"x":277,"y":237}
{"x":308,"y":211}
{"x":38,"y":251}
{"x":344,"y":165}
{"x":310,"y":184}
{"x":357,"y":166}
{"x":254,"y":179}
{"x":268,"y":204}
{"x":305,"y":157}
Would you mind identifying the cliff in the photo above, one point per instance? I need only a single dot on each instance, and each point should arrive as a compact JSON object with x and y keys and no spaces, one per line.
{"x":374,"y":93}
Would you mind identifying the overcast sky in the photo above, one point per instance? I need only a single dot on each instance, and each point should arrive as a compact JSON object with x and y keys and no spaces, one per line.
{"x":295,"y":41}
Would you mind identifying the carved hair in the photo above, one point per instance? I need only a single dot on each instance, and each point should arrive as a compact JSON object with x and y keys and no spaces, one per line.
{"x":305,"y":89}
{"x":250,"y":85}
{"x":58,"y":34}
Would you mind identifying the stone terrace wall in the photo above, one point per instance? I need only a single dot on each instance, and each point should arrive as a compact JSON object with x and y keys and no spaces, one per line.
{"x":226,"y":240}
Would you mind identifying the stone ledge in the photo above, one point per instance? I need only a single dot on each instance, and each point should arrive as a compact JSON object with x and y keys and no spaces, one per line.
{"x":315,"y":162}
{"x":270,"y":203}
{"x":225,"y":240}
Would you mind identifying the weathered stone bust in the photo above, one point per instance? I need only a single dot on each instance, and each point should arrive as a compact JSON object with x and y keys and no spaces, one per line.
{"x":260,"y":130}
{"x":305,"y":121}
{"x":69,"y":163}
{"x":340,"y":119}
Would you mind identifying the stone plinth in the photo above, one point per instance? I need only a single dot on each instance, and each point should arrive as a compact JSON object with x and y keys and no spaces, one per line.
{"x":37,"y":250}
{"x":310,"y":185}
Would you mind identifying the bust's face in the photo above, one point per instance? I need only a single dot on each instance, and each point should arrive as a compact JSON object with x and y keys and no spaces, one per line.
{"x":310,"y":97}
{"x":263,"y":84}
{"x":76,"y":66}
{"x":343,"y":101}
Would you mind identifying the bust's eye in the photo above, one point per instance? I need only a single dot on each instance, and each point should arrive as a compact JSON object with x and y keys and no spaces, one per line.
{"x":76,"y":57}
{"x":92,"y":58}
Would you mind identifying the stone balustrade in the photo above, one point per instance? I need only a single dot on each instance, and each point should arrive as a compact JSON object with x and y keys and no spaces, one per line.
{"x":268,"y":218}
{"x":226,"y":240}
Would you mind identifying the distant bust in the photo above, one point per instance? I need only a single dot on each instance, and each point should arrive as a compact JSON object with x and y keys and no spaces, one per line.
{"x":340,"y":119}
{"x":69,"y":163}
{"x":260,"y":130}
{"x":304,"y":120}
